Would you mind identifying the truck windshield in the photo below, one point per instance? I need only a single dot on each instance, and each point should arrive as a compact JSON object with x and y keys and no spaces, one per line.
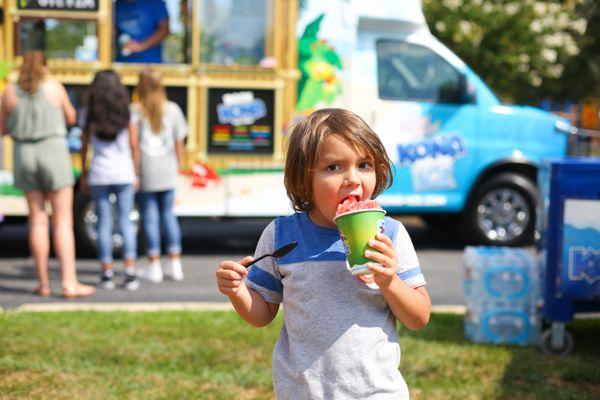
{"x":413,"y":72}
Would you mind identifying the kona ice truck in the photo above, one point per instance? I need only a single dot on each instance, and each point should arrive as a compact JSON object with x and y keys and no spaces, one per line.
{"x":460,"y":156}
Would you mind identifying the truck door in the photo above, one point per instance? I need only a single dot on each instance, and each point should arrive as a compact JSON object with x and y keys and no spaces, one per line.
{"x":427,"y":123}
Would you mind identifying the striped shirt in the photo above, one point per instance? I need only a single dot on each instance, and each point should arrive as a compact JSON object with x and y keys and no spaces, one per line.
{"x":339,"y":339}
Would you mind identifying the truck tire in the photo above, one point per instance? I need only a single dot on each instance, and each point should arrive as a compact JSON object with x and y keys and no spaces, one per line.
{"x":502,"y":211}
{"x":85,"y":225}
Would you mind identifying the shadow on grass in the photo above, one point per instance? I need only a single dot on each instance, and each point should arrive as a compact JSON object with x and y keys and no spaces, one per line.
{"x":527,"y":371}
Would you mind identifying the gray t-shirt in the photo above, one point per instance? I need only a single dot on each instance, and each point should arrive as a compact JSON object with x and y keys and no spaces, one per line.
{"x":158,"y":160}
{"x":339,"y":339}
{"x":112,"y":163}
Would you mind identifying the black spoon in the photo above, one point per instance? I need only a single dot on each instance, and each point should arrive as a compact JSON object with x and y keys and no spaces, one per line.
{"x":280,"y":252}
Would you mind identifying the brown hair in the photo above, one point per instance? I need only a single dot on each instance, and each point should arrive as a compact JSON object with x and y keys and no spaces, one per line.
{"x":152,"y":98}
{"x":32,"y":71}
{"x":304,"y":148}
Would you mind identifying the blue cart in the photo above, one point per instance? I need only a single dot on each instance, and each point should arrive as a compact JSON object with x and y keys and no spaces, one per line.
{"x":569,"y":245}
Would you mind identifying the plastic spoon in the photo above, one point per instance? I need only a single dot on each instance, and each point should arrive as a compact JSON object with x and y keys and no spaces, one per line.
{"x":280,"y":252}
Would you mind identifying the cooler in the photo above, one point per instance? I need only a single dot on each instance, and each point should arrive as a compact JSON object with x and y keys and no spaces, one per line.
{"x":569,"y":244}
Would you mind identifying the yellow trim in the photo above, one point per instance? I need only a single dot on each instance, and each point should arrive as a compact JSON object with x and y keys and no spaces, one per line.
{"x":58,"y":14}
{"x":195,"y":34}
{"x":7,"y":149}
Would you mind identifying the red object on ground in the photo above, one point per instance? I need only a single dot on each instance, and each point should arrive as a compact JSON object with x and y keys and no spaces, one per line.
{"x":351,"y":204}
{"x":201,"y":175}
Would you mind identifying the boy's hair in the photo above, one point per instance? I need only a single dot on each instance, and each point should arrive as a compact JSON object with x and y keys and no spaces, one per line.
{"x":305,"y":144}
{"x":108,"y":106}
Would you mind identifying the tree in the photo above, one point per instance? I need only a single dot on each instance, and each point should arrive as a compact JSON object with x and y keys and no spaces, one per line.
{"x":520,"y":48}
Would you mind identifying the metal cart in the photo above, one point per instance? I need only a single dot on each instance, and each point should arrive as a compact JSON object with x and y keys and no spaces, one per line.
{"x":569,"y":244}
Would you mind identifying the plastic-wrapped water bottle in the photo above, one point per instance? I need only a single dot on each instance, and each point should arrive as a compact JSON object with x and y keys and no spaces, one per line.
{"x":123,"y":40}
{"x":503,"y":294}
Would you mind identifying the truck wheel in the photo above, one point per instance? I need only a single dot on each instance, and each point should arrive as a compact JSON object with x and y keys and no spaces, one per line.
{"x":502,"y":212}
{"x":86,"y":220}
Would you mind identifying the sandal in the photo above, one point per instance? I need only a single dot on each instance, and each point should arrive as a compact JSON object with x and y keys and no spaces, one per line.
{"x":79,"y":290}
{"x":43,"y":290}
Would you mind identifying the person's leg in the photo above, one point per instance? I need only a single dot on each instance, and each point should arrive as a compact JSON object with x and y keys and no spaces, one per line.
{"x":100,"y":195}
{"x":64,"y":241}
{"x":39,"y":241}
{"x":125,"y":200}
{"x":151,"y":220}
{"x":171,"y":225}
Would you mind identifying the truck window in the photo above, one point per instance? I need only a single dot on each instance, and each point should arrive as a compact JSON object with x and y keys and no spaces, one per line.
{"x":236,"y":32}
{"x":413,"y":72}
{"x":58,"y":38}
{"x":139,"y":20}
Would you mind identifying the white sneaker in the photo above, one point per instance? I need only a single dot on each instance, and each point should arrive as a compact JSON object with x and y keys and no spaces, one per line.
{"x":151,"y":273}
{"x":174,"y":271}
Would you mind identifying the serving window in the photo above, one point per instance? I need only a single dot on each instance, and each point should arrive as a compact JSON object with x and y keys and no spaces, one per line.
{"x":139,"y":21}
{"x":237,"y":32}
{"x":58,"y":38}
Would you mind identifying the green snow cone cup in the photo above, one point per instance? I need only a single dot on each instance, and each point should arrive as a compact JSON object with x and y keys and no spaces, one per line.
{"x":356,"y":229}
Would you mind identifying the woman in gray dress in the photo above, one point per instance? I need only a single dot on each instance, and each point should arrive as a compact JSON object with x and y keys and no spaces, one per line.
{"x":35,"y":113}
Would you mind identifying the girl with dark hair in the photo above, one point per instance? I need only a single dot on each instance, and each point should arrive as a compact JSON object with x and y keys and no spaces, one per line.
{"x":113,"y":171}
{"x":35,"y":112}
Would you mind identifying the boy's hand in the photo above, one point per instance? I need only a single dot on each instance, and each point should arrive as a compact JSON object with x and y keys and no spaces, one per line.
{"x":230,"y":275}
{"x":384,"y":273}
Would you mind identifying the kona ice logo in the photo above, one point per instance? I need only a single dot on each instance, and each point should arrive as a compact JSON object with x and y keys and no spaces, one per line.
{"x":240,"y":108}
{"x":432,"y":161}
{"x":584,"y":264}
{"x":451,"y":144}
{"x":581,"y":243}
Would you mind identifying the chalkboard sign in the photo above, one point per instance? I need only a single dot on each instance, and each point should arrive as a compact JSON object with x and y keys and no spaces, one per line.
{"x":241,"y":120}
{"x":62,"y":5}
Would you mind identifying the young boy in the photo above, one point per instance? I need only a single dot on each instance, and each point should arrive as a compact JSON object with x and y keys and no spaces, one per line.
{"x":339,"y":339}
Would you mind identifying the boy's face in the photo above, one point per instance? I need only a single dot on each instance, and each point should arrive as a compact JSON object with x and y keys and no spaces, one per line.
{"x":341,"y":172}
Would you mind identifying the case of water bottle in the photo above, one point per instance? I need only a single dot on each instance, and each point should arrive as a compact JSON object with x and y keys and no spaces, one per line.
{"x":503,"y":290}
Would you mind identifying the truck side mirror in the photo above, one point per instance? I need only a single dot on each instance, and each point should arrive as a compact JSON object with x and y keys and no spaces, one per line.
{"x":456,"y":92}
{"x":467,"y":93}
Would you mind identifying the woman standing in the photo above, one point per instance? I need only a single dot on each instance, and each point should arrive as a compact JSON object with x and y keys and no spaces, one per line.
{"x":35,"y":112}
{"x":162,"y":128}
{"x":112,"y":172}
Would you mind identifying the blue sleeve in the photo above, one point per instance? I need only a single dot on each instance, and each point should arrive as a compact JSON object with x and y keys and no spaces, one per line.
{"x":160,"y":11}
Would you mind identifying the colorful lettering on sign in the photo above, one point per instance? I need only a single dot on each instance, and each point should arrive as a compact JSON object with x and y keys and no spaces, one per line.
{"x":452,"y":145}
{"x":240,"y":109}
{"x":59,"y":4}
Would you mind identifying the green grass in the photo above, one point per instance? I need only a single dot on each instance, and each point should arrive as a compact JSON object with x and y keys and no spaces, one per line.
{"x":214,"y":355}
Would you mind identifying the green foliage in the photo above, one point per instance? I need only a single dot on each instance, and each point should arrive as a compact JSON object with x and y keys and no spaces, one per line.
{"x":521,"y":48}
{"x":581,"y":78}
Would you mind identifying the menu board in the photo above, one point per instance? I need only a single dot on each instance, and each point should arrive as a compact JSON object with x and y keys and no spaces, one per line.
{"x":241,"y":120}
{"x":63,"y":5}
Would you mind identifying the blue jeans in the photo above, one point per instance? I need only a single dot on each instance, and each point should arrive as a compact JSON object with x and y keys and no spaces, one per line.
{"x":125,"y":197}
{"x":157,"y":207}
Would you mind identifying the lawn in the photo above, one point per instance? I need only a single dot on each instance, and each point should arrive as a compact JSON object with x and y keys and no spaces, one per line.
{"x":214,"y":355}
